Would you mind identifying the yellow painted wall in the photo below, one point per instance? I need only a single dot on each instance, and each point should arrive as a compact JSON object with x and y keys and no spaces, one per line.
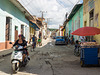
{"x":63,"y":32}
{"x":86,"y":18}
{"x":85,"y":13}
{"x":32,"y":31}
{"x":97,"y":24}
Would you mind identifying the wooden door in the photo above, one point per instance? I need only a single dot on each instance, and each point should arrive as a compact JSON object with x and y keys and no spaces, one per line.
{"x":16,"y":33}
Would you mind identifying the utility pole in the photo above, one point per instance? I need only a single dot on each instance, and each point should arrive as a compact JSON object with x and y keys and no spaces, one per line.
{"x":42,"y":12}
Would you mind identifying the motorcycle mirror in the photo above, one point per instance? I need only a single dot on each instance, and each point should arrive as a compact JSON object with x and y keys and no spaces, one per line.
{"x":10,"y":42}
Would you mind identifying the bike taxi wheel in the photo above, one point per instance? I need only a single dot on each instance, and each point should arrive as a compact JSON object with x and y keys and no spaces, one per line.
{"x":82,"y":63}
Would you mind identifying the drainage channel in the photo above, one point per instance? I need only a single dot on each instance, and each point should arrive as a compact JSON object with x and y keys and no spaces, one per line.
{"x":48,"y":63}
{"x":46,"y":57}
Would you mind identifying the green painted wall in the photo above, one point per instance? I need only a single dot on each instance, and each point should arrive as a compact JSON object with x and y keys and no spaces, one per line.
{"x":70,"y":26}
{"x":76,"y":21}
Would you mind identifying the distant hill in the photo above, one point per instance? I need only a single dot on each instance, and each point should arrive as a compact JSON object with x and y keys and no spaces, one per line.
{"x":52,"y":29}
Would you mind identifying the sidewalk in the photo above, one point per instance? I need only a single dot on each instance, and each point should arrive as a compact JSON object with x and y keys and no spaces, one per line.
{"x":44,"y":42}
{"x":7,"y":52}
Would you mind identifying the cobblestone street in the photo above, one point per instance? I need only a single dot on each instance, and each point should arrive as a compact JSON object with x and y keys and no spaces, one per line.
{"x":50,"y":60}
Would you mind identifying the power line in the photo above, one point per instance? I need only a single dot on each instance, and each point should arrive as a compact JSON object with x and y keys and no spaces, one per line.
{"x":36,"y":9}
{"x":61,"y":4}
{"x":28,"y":8}
{"x":29,"y":2}
{"x":31,"y":7}
{"x":71,"y":2}
{"x":39,"y":4}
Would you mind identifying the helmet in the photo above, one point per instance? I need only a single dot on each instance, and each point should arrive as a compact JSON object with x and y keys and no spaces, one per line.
{"x":19,"y":35}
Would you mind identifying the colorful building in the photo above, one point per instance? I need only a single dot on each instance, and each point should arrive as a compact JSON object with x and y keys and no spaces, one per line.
{"x":75,"y":20}
{"x":44,"y":30}
{"x":66,"y":29}
{"x":14,"y":20}
{"x":91,"y":16}
{"x":33,"y":28}
{"x":61,"y":30}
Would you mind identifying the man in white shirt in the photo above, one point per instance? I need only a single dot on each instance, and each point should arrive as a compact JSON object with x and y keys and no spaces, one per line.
{"x":82,"y":38}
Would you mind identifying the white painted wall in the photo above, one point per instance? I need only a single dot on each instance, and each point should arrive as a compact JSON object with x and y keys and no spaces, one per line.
{"x":2,"y":26}
{"x":15,"y":22}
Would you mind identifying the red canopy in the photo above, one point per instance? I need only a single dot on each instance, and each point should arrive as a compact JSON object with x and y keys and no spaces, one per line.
{"x":86,"y":31}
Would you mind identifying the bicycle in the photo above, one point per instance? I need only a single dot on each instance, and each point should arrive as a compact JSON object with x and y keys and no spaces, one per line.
{"x":77,"y":50}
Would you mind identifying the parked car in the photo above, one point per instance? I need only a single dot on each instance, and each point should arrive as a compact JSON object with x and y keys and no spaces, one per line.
{"x":60,"y":40}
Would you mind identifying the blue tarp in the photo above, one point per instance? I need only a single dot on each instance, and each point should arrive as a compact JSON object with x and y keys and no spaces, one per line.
{"x":34,"y":26}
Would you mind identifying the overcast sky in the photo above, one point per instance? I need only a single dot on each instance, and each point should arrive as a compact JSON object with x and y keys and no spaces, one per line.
{"x":56,"y":9}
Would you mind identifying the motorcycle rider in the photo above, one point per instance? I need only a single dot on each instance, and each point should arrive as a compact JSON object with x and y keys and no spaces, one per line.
{"x":21,"y":42}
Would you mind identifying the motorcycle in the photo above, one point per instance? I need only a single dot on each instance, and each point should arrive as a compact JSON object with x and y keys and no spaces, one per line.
{"x":17,"y":58}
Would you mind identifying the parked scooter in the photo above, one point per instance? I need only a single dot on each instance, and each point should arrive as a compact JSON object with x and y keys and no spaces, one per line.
{"x":77,"y":48}
{"x":17,"y":58}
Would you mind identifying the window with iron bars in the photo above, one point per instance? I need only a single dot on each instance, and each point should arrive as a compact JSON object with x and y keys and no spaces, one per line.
{"x":22,"y":29}
{"x":8,"y":28}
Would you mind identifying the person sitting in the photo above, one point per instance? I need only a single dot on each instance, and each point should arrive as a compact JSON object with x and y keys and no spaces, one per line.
{"x":77,"y":45}
{"x":21,"y":42}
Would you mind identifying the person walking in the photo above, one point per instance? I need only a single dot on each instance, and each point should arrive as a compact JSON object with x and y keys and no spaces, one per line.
{"x":69,"y":39}
{"x":34,"y":41}
{"x":39,"y":35}
{"x":72,"y":40}
{"x":39,"y":42}
{"x":66,"y":39}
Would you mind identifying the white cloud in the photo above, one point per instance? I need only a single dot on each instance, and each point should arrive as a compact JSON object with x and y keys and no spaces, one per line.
{"x":56,"y":9}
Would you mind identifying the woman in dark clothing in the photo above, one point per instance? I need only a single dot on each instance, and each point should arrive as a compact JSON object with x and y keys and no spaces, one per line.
{"x":21,"y":42}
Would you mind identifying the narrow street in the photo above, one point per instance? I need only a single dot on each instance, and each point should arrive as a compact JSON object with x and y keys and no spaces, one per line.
{"x":50,"y":60}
